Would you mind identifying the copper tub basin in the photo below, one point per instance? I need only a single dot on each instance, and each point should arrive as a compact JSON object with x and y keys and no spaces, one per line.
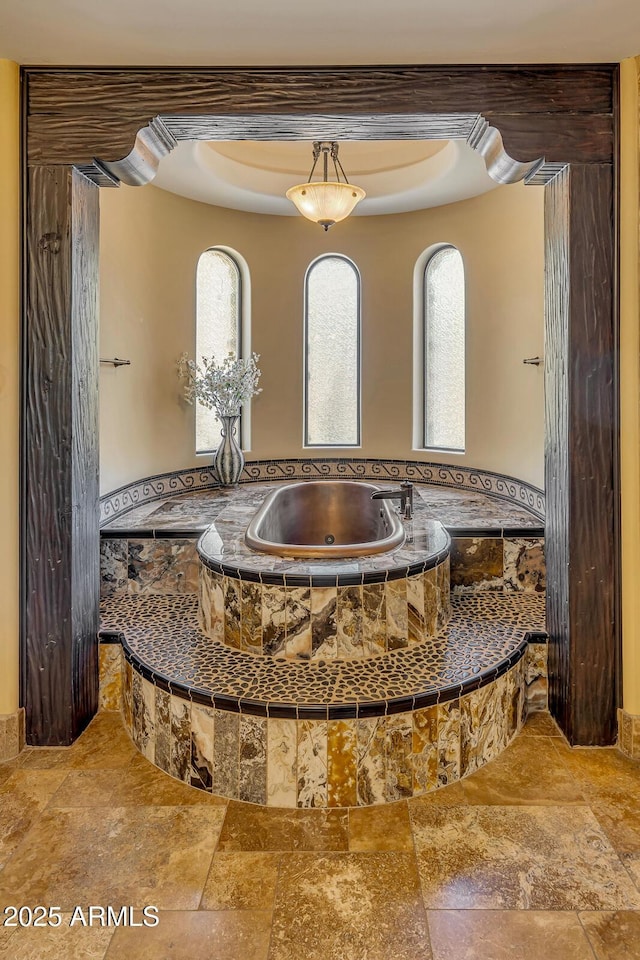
{"x":325,"y":518}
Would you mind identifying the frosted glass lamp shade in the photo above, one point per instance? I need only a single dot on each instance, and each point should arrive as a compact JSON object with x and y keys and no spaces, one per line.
{"x":325,"y":202}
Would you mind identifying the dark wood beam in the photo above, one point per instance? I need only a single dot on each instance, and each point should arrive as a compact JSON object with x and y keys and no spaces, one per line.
{"x":533,"y":104}
{"x":147,"y":91}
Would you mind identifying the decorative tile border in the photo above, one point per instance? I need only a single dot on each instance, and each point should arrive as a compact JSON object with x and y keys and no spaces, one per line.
{"x":629,"y":734}
{"x":311,"y":623}
{"x":119,"y":501}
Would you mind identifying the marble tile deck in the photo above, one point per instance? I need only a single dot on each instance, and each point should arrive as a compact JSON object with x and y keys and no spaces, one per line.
{"x":498,"y":867}
{"x":192,"y":512}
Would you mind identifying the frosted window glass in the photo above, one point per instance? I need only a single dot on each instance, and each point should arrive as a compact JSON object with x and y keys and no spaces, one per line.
{"x":444,"y":351}
{"x":332,"y":410}
{"x":217,"y":328}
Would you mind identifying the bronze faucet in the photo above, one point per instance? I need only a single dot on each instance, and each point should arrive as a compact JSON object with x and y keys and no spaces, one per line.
{"x":404,"y":494}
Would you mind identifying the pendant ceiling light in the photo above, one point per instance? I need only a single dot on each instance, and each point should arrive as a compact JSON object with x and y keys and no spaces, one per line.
{"x":327,"y":201}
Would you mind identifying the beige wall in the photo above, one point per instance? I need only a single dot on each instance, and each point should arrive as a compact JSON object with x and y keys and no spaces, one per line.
{"x":630,"y":377}
{"x":9,"y":379}
{"x":150,"y":243}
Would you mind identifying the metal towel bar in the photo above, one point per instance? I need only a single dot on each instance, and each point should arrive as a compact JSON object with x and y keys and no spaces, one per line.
{"x":116,"y":362}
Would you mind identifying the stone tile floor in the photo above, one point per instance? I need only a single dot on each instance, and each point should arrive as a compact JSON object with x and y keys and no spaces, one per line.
{"x":535,"y":856}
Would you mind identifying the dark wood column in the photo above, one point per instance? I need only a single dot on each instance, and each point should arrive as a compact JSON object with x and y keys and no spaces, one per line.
{"x":581,"y":451}
{"x":60,"y":455}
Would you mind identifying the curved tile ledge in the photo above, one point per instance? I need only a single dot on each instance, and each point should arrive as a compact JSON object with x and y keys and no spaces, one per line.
{"x":289,"y":734}
{"x":117,"y":502}
{"x":222,"y":548}
{"x":321,"y":609}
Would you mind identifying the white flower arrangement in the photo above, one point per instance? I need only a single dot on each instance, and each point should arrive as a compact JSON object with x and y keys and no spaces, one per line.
{"x":222,"y":385}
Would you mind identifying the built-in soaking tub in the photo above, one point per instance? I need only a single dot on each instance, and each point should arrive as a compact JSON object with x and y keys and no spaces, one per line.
{"x":359,"y":604}
{"x":380,"y":698}
{"x":326,"y":518}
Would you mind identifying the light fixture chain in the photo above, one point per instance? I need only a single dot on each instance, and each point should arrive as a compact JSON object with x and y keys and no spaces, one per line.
{"x":337,"y":164}
{"x":316,"y":153}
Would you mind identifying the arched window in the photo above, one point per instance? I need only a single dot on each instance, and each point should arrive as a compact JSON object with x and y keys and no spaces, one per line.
{"x":444,"y":351}
{"x":332,"y":353}
{"x":218,"y":326}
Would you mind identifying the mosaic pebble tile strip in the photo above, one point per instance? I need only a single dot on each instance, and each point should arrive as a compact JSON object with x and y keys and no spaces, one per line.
{"x":325,"y":763}
{"x":324,"y":623}
{"x":151,"y":489}
{"x":486,"y":636}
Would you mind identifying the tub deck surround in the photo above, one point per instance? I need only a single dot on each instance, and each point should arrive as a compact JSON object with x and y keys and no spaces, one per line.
{"x":222,"y":548}
{"x":323,"y":682}
{"x":333,"y":733}
{"x":321,"y":608}
{"x":496,"y":545}
{"x":176,"y":505}
{"x":334,"y":622}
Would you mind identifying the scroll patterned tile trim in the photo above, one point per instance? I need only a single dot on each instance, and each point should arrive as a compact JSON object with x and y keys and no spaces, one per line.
{"x":118,"y":502}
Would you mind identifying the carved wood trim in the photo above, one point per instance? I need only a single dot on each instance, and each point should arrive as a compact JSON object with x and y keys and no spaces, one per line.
{"x":527,"y":121}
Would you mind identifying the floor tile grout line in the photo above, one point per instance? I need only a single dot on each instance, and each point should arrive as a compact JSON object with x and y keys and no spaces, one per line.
{"x":273,"y":907}
{"x":213,"y":853}
{"x":310,"y":853}
{"x":105,"y":955}
{"x":579,"y":784}
{"x":622,"y":856}
{"x":586,"y":932}
{"x":38,"y":817}
{"x":417,"y":866}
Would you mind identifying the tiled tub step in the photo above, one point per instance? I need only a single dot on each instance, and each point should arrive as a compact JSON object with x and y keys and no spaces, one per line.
{"x":324,"y":734}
